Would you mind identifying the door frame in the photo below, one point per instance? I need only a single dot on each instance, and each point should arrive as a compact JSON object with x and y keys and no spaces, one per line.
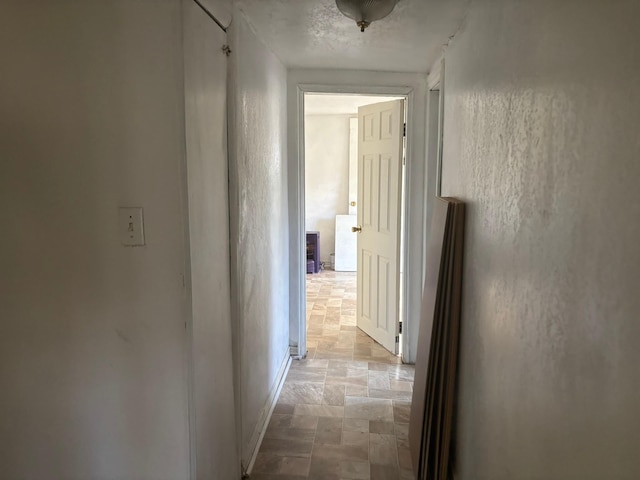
{"x":413,"y":88}
{"x":435,"y":143}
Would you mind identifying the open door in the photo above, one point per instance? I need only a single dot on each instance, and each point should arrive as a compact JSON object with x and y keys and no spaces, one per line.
{"x":380,"y":132}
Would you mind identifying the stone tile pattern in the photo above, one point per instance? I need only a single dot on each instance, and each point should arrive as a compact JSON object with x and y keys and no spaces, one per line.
{"x":343,"y":412}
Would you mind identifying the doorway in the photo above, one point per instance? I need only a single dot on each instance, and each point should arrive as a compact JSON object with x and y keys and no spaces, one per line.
{"x":414,"y":88}
{"x":331,"y":212}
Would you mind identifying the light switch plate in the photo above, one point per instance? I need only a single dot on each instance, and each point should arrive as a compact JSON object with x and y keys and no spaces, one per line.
{"x":131,"y":226}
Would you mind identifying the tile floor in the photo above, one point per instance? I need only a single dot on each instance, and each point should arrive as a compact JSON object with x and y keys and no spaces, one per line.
{"x":343,"y":412}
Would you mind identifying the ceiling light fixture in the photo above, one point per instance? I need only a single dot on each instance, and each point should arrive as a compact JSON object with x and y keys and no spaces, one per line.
{"x":366,"y":11}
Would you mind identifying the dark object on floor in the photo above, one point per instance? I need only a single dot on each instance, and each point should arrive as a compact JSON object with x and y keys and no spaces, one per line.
{"x":313,"y":251}
{"x":432,"y":412}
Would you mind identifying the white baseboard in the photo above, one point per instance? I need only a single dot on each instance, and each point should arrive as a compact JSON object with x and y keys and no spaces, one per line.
{"x":265,"y":416}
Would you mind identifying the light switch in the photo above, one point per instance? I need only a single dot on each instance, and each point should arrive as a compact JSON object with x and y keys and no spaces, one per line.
{"x":131,"y":226}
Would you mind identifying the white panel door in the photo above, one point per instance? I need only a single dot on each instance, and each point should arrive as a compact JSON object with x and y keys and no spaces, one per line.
{"x":380,"y":132}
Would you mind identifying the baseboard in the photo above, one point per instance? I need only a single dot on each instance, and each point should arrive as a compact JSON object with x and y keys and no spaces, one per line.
{"x":265,"y":416}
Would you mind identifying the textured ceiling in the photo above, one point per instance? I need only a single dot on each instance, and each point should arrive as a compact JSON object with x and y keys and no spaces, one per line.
{"x":314,"y":34}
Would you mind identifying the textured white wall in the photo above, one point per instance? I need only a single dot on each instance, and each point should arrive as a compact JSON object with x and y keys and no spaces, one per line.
{"x":92,"y":333}
{"x":542,"y":110}
{"x":259,"y":232}
{"x":326,"y":176}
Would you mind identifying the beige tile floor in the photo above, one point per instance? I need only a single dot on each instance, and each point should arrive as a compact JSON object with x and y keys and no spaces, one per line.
{"x":343,"y":412}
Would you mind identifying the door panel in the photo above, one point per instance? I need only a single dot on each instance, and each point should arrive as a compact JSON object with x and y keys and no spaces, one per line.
{"x":384,"y":210}
{"x":366,"y":293}
{"x":367,"y":189}
{"x":379,"y":175}
{"x":368,"y":127}
{"x":384,"y":281}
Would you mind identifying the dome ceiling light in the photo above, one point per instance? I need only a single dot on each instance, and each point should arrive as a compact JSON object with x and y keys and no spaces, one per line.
{"x":366,"y":11}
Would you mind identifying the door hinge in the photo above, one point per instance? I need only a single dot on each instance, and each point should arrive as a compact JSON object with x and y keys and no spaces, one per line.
{"x":226,"y":50}
{"x":404,"y":130}
{"x":397,"y":339}
{"x":400,"y":330}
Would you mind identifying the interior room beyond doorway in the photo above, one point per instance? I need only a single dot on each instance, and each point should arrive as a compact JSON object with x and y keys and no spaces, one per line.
{"x":331,"y":189}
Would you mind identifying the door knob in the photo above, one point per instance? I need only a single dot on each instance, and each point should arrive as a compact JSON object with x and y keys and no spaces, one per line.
{"x":356,"y":229}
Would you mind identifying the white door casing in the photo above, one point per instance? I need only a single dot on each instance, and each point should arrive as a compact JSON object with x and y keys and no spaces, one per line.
{"x":380,"y":133}
{"x":353,"y":165}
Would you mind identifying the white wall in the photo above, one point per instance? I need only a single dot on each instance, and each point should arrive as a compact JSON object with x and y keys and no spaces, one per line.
{"x":221,"y":10}
{"x":259,"y":234}
{"x":326,"y":176}
{"x":542,"y":110}
{"x":92,"y":334}
{"x":213,"y":429}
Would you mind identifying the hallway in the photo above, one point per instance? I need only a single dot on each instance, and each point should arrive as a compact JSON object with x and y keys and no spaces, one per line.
{"x":343,"y":412}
